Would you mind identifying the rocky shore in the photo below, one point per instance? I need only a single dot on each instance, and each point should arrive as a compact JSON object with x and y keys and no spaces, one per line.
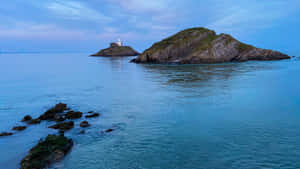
{"x":53,"y":147}
{"x":201,"y":45}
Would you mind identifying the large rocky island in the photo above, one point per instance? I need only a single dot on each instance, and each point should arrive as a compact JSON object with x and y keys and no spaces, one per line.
{"x":201,"y":45}
{"x":117,"y":49}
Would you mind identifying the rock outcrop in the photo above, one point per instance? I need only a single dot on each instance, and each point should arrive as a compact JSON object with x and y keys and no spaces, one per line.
{"x":26,"y":118}
{"x":51,"y":113}
{"x":35,"y":121}
{"x":19,"y":128}
{"x":84,"y":124}
{"x":65,"y":126}
{"x":115,"y":50}
{"x":47,"y":151}
{"x":201,"y":45}
{"x":73,"y":115}
{"x":60,"y":118}
{"x":5,"y":134}
{"x":109,"y":130}
{"x":92,"y":115}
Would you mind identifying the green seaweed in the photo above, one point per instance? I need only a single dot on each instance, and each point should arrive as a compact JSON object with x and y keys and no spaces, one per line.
{"x":44,"y":152}
{"x":52,"y":142}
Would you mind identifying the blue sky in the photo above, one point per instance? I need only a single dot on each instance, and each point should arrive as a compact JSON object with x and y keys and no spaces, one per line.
{"x":89,"y":25}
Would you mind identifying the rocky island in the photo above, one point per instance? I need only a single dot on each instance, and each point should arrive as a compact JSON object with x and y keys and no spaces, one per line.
{"x":201,"y":45}
{"x":117,"y":49}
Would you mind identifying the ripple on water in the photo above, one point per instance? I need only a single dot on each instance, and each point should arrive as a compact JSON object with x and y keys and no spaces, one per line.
{"x":219,"y":116}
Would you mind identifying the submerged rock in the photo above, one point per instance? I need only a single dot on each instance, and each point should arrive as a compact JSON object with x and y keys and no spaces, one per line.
{"x":92,"y":115}
{"x":50,"y":114}
{"x":63,"y":126}
{"x":27,"y":118}
{"x":35,"y":121}
{"x":109,"y":130}
{"x":46,"y":152}
{"x":5,"y":134}
{"x":84,"y":124}
{"x":73,"y":115}
{"x":60,"y":118}
{"x":201,"y":45}
{"x":115,"y":50}
{"x":19,"y":128}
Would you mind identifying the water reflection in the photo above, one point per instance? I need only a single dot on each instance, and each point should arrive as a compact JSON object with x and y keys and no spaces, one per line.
{"x":190,"y":75}
{"x":115,"y":63}
{"x":201,"y":81}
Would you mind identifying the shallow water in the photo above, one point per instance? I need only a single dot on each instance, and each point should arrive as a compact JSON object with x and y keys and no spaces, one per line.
{"x":220,"y":116}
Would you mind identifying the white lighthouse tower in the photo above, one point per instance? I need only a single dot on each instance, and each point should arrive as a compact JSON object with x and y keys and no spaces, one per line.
{"x":119,"y":42}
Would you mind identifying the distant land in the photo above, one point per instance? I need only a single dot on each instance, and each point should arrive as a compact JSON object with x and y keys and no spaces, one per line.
{"x":37,"y":52}
{"x":201,"y":45}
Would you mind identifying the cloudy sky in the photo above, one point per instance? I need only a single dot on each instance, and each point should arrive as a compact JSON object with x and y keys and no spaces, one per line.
{"x":88,"y":25}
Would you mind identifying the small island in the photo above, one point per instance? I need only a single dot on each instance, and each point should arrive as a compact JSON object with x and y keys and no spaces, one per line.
{"x":117,"y":49}
{"x":201,"y":45}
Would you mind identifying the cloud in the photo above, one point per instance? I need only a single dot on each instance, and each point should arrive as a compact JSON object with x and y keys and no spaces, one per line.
{"x":76,"y":11}
{"x":52,"y":32}
{"x":111,"y":33}
{"x":142,"y":5}
{"x":147,"y":16}
{"x":34,"y":31}
{"x":241,"y":18}
{"x":140,"y":20}
{"x":84,"y":19}
{"x":154,"y":26}
{"x":250,"y":15}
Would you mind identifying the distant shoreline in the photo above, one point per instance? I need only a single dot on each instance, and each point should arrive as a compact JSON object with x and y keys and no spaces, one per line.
{"x":44,"y":52}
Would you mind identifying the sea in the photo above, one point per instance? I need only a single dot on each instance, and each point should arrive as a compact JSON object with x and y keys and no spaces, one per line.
{"x":211,"y":116}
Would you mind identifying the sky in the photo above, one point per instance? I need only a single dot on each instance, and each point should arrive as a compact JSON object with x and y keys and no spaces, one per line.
{"x":90,"y":25}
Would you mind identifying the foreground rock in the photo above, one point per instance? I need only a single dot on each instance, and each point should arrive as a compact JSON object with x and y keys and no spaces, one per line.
{"x":115,"y":50}
{"x":84,"y":124}
{"x":92,"y":115}
{"x":73,"y":115}
{"x":201,"y":45}
{"x":63,"y":126}
{"x":26,"y":118}
{"x":50,"y":150}
{"x":51,"y":113}
{"x":19,"y":128}
{"x":35,"y":121}
{"x":5,"y":134}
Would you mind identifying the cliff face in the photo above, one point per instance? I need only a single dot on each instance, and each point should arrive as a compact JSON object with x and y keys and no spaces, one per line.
{"x":201,"y":45}
{"x":115,"y":50}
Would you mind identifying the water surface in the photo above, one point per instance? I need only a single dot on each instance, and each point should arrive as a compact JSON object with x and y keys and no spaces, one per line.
{"x":219,"y":116}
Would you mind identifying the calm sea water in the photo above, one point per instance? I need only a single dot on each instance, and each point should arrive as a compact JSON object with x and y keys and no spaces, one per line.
{"x":221,"y":116}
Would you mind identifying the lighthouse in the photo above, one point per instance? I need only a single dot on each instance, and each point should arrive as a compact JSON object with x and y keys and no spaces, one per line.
{"x":119,"y":42}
